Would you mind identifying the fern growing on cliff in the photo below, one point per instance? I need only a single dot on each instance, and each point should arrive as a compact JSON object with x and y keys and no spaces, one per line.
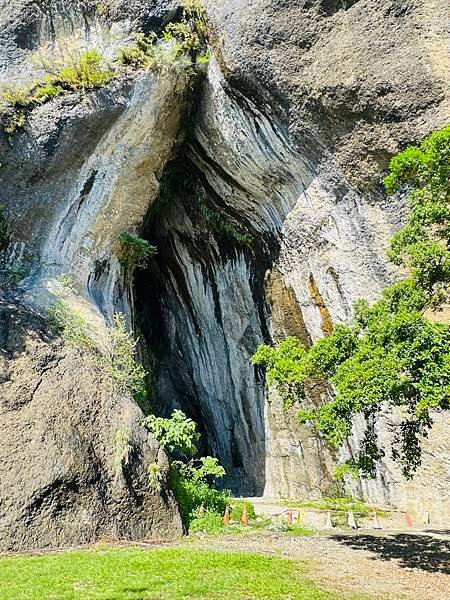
{"x":133,"y":252}
{"x":396,"y":352}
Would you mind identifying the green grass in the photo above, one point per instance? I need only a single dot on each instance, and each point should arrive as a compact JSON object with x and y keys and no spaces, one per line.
{"x":163,"y":574}
{"x":337,"y":505}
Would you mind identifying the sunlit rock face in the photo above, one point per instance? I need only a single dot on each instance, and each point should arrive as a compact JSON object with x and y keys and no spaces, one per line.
{"x":276,"y":222}
{"x":294,"y":131}
{"x":316,"y":247}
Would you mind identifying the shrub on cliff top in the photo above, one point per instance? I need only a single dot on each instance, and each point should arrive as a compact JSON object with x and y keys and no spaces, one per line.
{"x":85,"y":71}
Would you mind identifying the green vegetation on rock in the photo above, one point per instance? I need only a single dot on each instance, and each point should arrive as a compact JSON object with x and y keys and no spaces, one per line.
{"x":192,"y":479}
{"x":71,"y":325}
{"x":220,"y":225}
{"x":85,"y":71}
{"x":121,"y":363}
{"x":122,"y":448}
{"x":133,"y":252}
{"x":164,"y":573}
{"x":394,"y":353}
{"x":140,"y":55}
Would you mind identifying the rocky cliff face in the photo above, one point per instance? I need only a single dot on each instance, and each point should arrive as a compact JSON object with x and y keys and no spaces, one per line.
{"x":270,"y":217}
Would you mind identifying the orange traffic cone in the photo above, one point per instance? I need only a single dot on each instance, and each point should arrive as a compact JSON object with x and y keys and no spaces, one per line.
{"x":290,"y":516}
{"x":329,"y":522}
{"x":375,"y":521}
{"x":351,"y":520}
{"x":408,"y":520}
{"x":226,"y":516}
{"x":244,"y":518}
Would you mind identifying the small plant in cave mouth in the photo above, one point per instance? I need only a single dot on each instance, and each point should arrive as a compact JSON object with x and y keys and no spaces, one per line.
{"x":192,"y":479}
{"x":133,"y":252}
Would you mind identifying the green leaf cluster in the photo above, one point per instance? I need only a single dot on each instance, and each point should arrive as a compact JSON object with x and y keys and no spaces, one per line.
{"x":190,"y":478}
{"x":177,"y":435}
{"x":133,"y":252}
{"x":392,"y":354}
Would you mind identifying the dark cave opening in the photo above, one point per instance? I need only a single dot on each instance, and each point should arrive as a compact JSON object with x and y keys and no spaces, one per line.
{"x":201,"y":313}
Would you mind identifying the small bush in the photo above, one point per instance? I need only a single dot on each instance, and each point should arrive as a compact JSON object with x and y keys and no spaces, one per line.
{"x":121,"y":363}
{"x":85,"y":71}
{"x":191,"y":479}
{"x":71,"y":325}
{"x":206,"y":521}
{"x":133,"y":252}
{"x":186,"y":39}
{"x":141,"y":54}
{"x":177,"y":435}
{"x":191,"y":495}
{"x":237,"y":508}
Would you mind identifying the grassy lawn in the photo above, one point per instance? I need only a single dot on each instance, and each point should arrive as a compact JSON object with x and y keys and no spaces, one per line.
{"x":163,"y":574}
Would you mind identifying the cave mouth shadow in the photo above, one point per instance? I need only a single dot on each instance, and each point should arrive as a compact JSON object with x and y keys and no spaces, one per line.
{"x":412,"y":551}
{"x":190,"y":367}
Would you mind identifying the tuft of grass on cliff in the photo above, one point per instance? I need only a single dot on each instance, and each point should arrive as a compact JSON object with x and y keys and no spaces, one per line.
{"x":163,"y":574}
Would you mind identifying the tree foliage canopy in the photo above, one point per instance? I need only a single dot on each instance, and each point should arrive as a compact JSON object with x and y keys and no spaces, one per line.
{"x":392,"y":354}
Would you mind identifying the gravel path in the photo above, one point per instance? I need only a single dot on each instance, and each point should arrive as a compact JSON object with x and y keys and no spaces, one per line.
{"x":392,"y":565}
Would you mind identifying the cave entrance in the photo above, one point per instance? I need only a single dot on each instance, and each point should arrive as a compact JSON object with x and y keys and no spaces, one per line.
{"x":200,"y":311}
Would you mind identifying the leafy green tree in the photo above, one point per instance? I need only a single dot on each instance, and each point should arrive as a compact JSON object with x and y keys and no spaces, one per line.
{"x":392,"y":353}
{"x":192,"y":479}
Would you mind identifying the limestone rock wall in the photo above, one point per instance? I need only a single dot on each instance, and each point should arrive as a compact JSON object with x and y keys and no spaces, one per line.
{"x":82,"y":171}
{"x":292,"y":127}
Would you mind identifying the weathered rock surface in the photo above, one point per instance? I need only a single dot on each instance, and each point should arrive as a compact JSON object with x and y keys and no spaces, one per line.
{"x":285,"y":226}
{"x":83,"y":170}
{"x":64,"y":478}
{"x":291,"y":146}
{"x":28,"y":28}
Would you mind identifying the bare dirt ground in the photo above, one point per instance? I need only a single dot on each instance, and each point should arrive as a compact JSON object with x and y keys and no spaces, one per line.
{"x":376,"y":565}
